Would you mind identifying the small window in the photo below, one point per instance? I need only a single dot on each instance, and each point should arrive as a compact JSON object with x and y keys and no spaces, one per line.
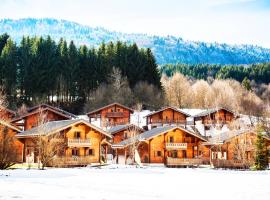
{"x":174,"y":154}
{"x":158,"y":153}
{"x":111,"y":110}
{"x":91,"y":152}
{"x":118,"y":110}
{"x":125,"y":135}
{"x":77,"y":134}
{"x":75,"y":152}
{"x":171,"y":139}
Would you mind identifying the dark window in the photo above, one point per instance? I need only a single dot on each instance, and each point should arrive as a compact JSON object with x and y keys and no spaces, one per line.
{"x":77,"y":134}
{"x":174,"y":154}
{"x":91,"y":152}
{"x":184,"y":154}
{"x":75,"y":152}
{"x":158,"y":153}
{"x":171,"y":139}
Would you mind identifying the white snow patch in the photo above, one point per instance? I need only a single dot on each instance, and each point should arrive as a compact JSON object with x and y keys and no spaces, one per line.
{"x":118,"y":182}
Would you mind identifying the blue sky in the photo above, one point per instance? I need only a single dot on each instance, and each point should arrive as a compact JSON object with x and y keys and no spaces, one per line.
{"x":229,"y":21}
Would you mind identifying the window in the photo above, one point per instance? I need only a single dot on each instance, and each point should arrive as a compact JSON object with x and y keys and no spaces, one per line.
{"x":158,"y":154}
{"x":171,"y":139}
{"x":90,"y":152}
{"x":75,"y":152}
{"x":77,"y":134}
{"x":174,"y":154}
{"x":184,"y":154}
{"x":125,"y":135}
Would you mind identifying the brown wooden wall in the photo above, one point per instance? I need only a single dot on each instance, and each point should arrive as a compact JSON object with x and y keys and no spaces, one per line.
{"x":166,"y":116}
{"x":32,"y":120}
{"x":219,"y":116}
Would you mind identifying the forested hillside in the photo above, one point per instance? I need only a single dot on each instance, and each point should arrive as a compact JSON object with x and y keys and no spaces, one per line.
{"x":260,"y":73}
{"x":167,"y":49}
{"x":39,"y":69}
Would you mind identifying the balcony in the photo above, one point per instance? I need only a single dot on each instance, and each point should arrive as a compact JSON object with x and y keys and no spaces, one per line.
{"x":184,"y":161}
{"x":74,"y":160}
{"x":176,"y":146}
{"x":232,"y":164}
{"x":114,"y":114}
{"x":79,"y":142}
{"x":174,"y":122}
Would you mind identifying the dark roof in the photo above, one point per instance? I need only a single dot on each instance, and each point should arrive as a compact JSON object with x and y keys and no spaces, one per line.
{"x":4,"y":123}
{"x":156,"y":132}
{"x":119,"y":128}
{"x":52,"y":109}
{"x":56,"y":126}
{"x":212,"y":110}
{"x":169,"y":107}
{"x":112,"y":104}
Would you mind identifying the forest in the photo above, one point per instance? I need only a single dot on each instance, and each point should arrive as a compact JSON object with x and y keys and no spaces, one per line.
{"x":259,"y":73}
{"x":43,"y":70}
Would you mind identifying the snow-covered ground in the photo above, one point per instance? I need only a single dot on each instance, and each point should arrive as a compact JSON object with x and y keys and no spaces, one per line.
{"x":127,"y":183}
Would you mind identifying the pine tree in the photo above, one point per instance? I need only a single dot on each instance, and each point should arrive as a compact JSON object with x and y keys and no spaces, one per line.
{"x":261,"y":159}
{"x":246,"y":84}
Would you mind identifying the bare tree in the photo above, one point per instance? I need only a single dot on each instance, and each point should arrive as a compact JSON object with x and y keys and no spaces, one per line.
{"x":48,"y":146}
{"x":134,"y":135}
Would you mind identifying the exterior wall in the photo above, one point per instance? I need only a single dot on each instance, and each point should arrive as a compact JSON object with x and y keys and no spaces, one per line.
{"x":221,"y":116}
{"x":167,"y":116}
{"x":112,"y":121}
{"x":18,"y":146}
{"x":230,"y":150}
{"x":85,"y":133}
{"x":155,"y":151}
{"x":32,"y":120}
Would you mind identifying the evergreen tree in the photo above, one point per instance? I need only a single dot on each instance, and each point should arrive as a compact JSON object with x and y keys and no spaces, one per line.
{"x":246,"y":84}
{"x":261,"y":159}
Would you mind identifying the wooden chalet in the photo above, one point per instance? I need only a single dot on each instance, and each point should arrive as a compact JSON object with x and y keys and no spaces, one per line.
{"x":167,"y":116}
{"x":31,"y":117}
{"x":123,"y":132}
{"x":12,"y":131}
{"x":169,"y":145}
{"x":215,"y":116}
{"x":234,"y":149}
{"x":111,"y":115}
{"x":84,"y":143}
{"x":6,"y":114}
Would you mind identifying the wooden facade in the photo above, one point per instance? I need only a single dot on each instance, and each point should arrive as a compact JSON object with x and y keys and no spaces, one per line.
{"x":30,"y":119}
{"x":11,"y":132}
{"x":236,"y":149}
{"x":6,"y":114}
{"x":215,"y":116}
{"x":111,"y":115}
{"x":84,"y":143}
{"x":168,"y":115}
{"x":173,"y":146}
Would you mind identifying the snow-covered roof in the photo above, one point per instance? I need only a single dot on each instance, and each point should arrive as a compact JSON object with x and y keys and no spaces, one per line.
{"x":56,"y":126}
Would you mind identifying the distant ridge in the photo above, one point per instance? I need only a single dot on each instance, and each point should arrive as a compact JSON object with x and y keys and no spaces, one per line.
{"x":166,"y":49}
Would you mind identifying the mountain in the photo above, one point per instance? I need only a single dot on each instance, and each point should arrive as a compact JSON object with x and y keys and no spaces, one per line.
{"x":168,"y":49}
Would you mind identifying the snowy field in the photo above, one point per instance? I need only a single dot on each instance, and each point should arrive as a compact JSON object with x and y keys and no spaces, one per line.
{"x":128,"y":183}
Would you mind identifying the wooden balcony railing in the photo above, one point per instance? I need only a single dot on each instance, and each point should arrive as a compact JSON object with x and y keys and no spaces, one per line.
{"x":114,"y":114}
{"x":176,"y":145}
{"x":164,"y":121}
{"x":184,"y":161}
{"x":232,"y":164}
{"x":79,"y":142}
{"x":74,"y":160}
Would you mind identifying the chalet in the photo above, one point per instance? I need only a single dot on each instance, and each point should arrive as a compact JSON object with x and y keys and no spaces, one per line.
{"x":6,"y":114}
{"x":111,"y":115}
{"x":11,"y":132}
{"x":168,"y":115}
{"x":84,"y":143}
{"x":234,"y":149}
{"x":31,"y":117}
{"x":215,"y":116}
{"x":123,"y":132}
{"x":170,"y":145}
